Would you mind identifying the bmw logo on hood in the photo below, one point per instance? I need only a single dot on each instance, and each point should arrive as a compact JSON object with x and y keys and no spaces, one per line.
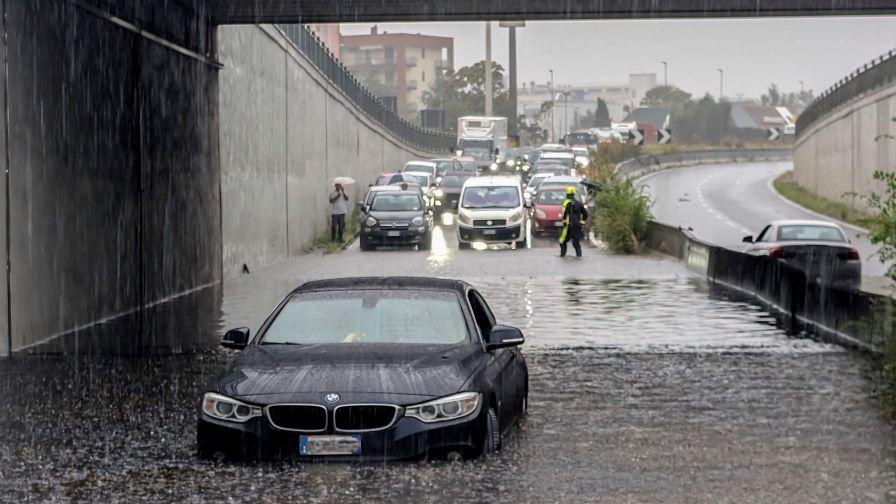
{"x":331,"y":398}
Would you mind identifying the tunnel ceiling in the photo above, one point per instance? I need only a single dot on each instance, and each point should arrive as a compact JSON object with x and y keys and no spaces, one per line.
{"x":324,"y":11}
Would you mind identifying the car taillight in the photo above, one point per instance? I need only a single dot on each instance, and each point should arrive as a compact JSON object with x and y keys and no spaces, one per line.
{"x":776,"y":253}
{"x":852,"y":255}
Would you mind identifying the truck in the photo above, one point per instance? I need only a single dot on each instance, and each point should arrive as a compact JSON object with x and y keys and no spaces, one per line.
{"x":479,"y":137}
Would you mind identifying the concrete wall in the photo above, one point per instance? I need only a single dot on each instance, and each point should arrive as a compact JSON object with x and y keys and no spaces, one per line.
{"x":285,"y":132}
{"x":840,"y":152}
{"x":113,"y":171}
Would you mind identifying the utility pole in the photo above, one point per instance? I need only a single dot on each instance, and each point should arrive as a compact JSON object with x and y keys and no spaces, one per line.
{"x":721,"y":82}
{"x":512,"y":126}
{"x":665,"y":73}
{"x":488,"y":69}
{"x":801,"y":86}
{"x":551,"y":91}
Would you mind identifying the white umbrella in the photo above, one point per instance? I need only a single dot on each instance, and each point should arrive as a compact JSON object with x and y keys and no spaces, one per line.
{"x":342,"y":181}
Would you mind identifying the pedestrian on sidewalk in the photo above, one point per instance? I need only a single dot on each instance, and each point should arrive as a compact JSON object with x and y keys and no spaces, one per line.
{"x":338,"y":208}
{"x":574,"y":217}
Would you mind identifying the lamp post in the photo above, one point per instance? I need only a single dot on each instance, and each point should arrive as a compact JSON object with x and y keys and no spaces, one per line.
{"x":665,"y":73}
{"x":721,"y":82}
{"x":551,"y":91}
{"x":488,"y":69}
{"x":802,"y":84}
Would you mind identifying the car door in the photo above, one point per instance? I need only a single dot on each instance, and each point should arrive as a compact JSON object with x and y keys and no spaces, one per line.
{"x":503,"y":366}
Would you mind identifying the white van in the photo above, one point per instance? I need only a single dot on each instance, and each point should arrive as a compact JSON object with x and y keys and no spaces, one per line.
{"x":491,"y":210}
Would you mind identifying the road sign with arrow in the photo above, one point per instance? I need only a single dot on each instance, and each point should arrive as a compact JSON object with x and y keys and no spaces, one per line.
{"x":664,"y":136}
{"x":637,"y":136}
{"x":773,"y":134}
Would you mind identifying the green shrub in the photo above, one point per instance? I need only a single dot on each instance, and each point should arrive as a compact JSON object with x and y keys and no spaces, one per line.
{"x":623,"y":216}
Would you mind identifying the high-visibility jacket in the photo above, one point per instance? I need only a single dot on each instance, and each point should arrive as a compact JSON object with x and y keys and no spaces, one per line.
{"x":573,"y":212}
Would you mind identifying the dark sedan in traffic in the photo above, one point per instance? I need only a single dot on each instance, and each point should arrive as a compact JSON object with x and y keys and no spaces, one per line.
{"x":447,"y":193}
{"x":368,"y":369}
{"x":396,"y":217}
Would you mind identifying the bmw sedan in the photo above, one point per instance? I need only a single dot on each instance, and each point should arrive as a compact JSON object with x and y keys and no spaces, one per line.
{"x":368,"y":369}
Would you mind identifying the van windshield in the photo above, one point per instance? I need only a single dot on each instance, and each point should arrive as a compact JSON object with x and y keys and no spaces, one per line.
{"x":491,"y":197}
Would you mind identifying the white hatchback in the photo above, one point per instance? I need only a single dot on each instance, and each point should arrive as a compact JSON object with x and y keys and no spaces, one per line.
{"x":491,"y":210}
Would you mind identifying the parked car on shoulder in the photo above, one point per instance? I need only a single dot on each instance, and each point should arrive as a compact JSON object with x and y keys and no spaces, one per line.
{"x":820,"y":249}
{"x":368,"y":369}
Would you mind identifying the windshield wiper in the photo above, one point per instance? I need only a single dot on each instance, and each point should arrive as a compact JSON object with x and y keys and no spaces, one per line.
{"x":280,"y":343}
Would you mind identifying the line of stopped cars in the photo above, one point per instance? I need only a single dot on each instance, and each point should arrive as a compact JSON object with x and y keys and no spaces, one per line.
{"x":368,"y":369}
{"x":495,"y":203}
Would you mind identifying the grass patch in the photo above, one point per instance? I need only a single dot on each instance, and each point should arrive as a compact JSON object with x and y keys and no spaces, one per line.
{"x":323,"y":243}
{"x":788,"y":188}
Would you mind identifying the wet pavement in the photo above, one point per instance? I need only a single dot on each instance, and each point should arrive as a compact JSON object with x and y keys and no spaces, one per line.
{"x":644,"y":387}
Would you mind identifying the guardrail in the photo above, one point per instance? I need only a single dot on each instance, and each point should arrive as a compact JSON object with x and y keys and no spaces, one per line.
{"x":650,"y":163}
{"x":874,"y":74}
{"x":319,"y":56}
{"x":848,"y":317}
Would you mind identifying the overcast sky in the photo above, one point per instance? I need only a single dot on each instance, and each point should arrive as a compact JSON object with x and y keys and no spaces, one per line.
{"x":753,"y":52}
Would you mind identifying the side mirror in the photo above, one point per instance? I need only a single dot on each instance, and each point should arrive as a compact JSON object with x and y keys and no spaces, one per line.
{"x":236,"y":338}
{"x":747,"y":239}
{"x":504,"y":336}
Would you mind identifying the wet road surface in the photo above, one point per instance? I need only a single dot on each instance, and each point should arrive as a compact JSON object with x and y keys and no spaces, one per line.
{"x":644,"y":388}
{"x":725,"y":202}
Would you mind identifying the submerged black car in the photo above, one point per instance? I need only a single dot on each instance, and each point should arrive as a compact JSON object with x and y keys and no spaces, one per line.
{"x":368,"y":369}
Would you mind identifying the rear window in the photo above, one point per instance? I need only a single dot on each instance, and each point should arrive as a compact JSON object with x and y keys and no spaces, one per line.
{"x":420,"y":168}
{"x":810,"y":233}
{"x":396,"y":202}
{"x":551,"y":197}
{"x":453,"y":181}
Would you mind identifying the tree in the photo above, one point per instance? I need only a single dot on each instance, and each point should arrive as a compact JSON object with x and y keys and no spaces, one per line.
{"x":462,"y":93}
{"x":666,"y":96}
{"x":773,"y":98}
{"x":602,"y":114}
{"x":703,"y":121}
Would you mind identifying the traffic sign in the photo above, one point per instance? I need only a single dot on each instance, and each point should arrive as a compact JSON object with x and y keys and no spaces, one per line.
{"x":664,"y":136}
{"x":636,"y":135}
{"x":773,"y":134}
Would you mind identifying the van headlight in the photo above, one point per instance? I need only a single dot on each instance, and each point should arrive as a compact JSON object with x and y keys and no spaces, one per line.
{"x":225,"y":408}
{"x":515,"y":216}
{"x":464,"y":218}
{"x":446,"y":408}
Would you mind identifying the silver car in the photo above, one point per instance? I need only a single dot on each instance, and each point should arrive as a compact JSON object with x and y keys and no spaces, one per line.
{"x":819,"y":249}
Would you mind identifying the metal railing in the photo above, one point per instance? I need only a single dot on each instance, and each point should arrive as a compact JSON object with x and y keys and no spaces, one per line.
{"x":322,"y":59}
{"x":878,"y":72}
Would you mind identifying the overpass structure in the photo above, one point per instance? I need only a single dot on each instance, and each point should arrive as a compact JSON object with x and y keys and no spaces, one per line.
{"x":149,"y":152}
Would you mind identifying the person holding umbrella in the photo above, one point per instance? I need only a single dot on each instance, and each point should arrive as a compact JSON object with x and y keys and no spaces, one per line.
{"x":338,"y":208}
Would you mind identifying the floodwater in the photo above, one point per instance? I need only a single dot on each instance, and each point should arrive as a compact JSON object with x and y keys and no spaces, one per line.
{"x":644,"y":387}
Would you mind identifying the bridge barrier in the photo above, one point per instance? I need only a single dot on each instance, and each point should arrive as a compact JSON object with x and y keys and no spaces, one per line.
{"x":848,"y":317}
{"x":650,"y":163}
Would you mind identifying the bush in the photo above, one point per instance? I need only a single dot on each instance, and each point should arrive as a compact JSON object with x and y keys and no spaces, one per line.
{"x":623,"y":215}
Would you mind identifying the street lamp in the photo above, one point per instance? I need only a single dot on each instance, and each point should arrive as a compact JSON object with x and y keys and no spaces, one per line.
{"x":801,"y":86}
{"x":551,"y":91}
{"x":665,"y":73}
{"x":721,"y":82}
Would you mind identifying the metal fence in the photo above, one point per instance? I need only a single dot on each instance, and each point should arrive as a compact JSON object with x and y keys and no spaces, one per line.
{"x":319,"y":56}
{"x":878,"y":72}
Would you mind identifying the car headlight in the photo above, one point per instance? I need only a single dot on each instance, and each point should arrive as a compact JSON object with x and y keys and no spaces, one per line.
{"x":540,"y":213}
{"x":438,"y":193}
{"x":224,"y":408}
{"x":510,"y":162}
{"x":515,"y":216}
{"x":438,"y":179}
{"x":493,"y":166}
{"x":417,"y":221}
{"x":464,"y":218}
{"x":525,"y":167}
{"x":370,"y":221}
{"x":446,"y":408}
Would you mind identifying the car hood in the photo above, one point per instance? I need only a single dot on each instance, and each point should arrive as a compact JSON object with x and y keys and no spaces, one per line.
{"x":421,"y":371}
{"x":552,"y":211}
{"x":395,"y":216}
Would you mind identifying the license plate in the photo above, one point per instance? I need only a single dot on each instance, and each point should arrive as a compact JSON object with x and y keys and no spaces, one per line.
{"x":489,"y":231}
{"x":558,"y":224}
{"x":329,"y":445}
{"x":393,"y":234}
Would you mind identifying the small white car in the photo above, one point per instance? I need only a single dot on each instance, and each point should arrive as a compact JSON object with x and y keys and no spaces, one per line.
{"x":491,"y":210}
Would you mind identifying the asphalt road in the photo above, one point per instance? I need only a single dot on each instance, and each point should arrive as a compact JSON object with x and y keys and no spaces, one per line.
{"x":725,"y":202}
{"x":645,"y":387}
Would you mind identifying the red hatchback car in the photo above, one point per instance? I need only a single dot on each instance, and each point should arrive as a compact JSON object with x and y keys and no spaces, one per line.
{"x":547,"y":210}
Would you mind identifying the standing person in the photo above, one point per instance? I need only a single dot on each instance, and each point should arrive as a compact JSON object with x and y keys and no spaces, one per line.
{"x":338,"y":207}
{"x":574,"y":216}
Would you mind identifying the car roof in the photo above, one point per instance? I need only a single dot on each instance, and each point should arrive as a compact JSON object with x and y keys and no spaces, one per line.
{"x":390,"y":282}
{"x":380,"y":188}
{"x":552,"y":187}
{"x":557,"y":155}
{"x":439,"y":160}
{"x":420,"y":173}
{"x":803,"y":222}
{"x":465,"y":174}
{"x":421,"y":162}
{"x":496,"y":180}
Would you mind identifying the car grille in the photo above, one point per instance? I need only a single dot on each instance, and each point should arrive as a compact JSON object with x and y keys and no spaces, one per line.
{"x":364,"y":417}
{"x":299,"y":417}
{"x":490,"y":223}
{"x":394,"y":225}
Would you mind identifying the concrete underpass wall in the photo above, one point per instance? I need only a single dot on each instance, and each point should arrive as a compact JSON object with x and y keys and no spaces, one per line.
{"x":840,"y":152}
{"x":285,"y":132}
{"x":113,"y":171}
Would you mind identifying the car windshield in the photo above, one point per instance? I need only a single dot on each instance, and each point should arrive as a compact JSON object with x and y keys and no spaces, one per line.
{"x":369,"y":316}
{"x":419,"y":179}
{"x":444,"y":166}
{"x":396,"y":202}
{"x":491,"y":197}
{"x":551,"y":197}
{"x":420,"y":168}
{"x":468,"y":165}
{"x":810,"y":233}
{"x":453,"y":181}
{"x":580,"y":139}
{"x":478,"y":154}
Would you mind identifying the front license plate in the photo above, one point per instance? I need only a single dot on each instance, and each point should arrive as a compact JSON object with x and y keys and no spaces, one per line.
{"x":393,"y":234}
{"x":558,"y":224}
{"x":330,"y":445}
{"x":489,"y":231}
